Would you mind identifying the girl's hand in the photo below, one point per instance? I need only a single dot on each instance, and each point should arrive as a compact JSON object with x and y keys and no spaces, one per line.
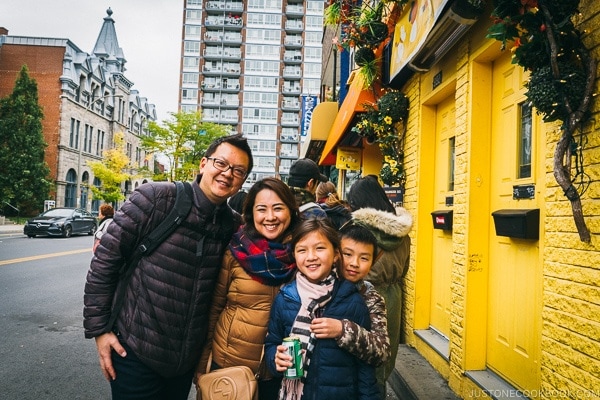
{"x":282,"y":359}
{"x":326,"y":328}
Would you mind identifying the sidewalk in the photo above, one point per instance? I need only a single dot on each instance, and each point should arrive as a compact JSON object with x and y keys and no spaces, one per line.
{"x":10,"y":228}
{"x":415,"y":379}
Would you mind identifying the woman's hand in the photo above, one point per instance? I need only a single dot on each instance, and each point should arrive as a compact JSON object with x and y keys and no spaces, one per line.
{"x":282,"y":359}
{"x":326,"y":328}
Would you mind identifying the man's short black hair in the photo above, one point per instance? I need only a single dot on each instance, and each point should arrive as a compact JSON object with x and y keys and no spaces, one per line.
{"x":238,"y":140}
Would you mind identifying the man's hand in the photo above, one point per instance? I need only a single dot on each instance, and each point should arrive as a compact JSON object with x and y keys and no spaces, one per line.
{"x":106,"y":343}
{"x":326,"y":328}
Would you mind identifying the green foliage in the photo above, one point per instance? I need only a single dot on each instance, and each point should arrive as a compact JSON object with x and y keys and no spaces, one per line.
{"x":182,"y":139}
{"x":24,"y":182}
{"x":112,"y":171}
{"x":523,"y":25}
{"x":382,"y":124}
{"x":548,"y":93}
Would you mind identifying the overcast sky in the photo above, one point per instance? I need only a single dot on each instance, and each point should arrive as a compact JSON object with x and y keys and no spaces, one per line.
{"x":149,"y":32}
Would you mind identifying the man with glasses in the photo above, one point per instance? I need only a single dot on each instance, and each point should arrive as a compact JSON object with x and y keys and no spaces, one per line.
{"x":153,"y":348}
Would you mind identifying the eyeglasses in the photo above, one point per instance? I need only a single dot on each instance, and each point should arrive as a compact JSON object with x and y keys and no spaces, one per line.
{"x":224,"y":166}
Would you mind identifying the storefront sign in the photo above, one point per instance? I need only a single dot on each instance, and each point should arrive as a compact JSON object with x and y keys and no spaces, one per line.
{"x":348,"y":158}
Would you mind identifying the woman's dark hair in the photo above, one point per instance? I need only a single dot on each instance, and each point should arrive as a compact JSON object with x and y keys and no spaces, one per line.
{"x":238,"y":141}
{"x":321,"y":225}
{"x":367,"y":192}
{"x":359,"y":234}
{"x":282,"y":191}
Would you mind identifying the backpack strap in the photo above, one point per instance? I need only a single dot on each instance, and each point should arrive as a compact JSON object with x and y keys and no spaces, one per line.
{"x":183,"y":204}
{"x":182,"y":207}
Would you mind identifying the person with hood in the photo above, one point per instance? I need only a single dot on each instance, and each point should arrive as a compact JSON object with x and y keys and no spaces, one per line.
{"x":390,"y":225}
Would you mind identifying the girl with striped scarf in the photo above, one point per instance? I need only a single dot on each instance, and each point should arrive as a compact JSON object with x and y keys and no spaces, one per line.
{"x":329,"y":371}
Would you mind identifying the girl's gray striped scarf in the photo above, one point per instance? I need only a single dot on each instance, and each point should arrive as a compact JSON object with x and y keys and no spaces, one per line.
{"x":313,"y":297}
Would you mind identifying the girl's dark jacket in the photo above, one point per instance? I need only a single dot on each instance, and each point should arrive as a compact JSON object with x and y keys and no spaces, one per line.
{"x":333,"y":373}
{"x":164,"y":318}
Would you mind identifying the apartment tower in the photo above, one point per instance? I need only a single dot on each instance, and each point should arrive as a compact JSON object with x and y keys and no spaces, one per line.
{"x":254,"y":65}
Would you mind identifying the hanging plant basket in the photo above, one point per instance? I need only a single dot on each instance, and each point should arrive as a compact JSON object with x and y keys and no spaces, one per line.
{"x":374,"y":32}
{"x":364,"y":56}
{"x":547,"y":94}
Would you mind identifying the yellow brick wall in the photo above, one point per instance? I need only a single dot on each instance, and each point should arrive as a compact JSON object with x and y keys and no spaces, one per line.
{"x":570,"y":344}
{"x":570,"y":361}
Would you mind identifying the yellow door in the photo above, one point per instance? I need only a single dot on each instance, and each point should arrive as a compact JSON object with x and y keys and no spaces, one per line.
{"x":515,"y":269}
{"x":442,"y":239}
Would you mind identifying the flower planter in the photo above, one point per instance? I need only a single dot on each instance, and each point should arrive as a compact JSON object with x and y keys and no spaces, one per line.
{"x":364,"y":56}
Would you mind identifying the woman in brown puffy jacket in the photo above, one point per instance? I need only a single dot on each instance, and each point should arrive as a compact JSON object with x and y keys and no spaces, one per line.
{"x":258,"y":260}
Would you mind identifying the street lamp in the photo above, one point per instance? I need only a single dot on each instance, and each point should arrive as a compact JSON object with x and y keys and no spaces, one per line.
{"x":89,"y":107}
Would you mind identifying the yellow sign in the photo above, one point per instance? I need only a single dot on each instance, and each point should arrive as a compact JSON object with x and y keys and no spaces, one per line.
{"x":348,"y":158}
{"x":411,"y":31}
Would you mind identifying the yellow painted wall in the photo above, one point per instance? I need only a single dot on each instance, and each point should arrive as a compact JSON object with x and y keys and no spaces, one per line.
{"x":570,"y":279}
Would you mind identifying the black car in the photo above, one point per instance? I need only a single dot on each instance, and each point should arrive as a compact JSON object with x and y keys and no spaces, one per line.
{"x":63,"y":222}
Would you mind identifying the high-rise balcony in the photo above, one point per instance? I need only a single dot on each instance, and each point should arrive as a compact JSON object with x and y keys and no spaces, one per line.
{"x":296,"y":10}
{"x":294,"y":26}
{"x":294,"y":73}
{"x":225,"y":102}
{"x":289,"y":119}
{"x":293,"y":41}
{"x":230,"y":69}
{"x":220,"y":37}
{"x":287,"y":89}
{"x":233,"y":22}
{"x":213,"y":7}
{"x":292,"y":57}
{"x":224,"y":85}
{"x":292,"y":104}
{"x":222,"y":53}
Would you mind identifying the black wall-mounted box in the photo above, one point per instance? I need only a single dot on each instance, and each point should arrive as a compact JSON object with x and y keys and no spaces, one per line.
{"x":442,"y":219}
{"x":515,"y":223}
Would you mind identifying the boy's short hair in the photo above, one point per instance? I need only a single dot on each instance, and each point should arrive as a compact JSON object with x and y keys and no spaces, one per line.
{"x":359,"y":234}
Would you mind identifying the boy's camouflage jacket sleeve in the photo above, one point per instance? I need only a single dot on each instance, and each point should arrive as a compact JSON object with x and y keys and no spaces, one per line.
{"x":372,"y":347}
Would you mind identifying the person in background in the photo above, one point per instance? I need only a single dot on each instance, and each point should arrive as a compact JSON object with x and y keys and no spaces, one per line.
{"x":105,"y":215}
{"x":257,"y":262}
{"x":304,"y":176}
{"x":330,"y":372}
{"x":359,"y":249}
{"x":337,"y":210}
{"x":373,"y":210}
{"x":153,"y":348}
{"x":236,"y":202}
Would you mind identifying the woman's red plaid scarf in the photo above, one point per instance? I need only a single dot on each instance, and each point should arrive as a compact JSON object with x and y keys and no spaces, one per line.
{"x":270,"y":263}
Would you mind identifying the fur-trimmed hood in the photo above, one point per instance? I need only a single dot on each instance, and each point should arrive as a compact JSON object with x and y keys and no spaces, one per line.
{"x":388,"y":228}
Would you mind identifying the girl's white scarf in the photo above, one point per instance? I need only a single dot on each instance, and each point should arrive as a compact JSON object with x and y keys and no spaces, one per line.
{"x":313,"y":297}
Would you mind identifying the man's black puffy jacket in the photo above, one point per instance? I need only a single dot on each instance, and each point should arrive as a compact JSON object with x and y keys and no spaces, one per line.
{"x":164,"y":317}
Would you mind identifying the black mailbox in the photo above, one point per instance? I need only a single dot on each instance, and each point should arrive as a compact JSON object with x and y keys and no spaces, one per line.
{"x":522,"y":224}
{"x":442,"y":219}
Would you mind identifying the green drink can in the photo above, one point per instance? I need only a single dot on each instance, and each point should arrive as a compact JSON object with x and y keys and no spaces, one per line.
{"x":294,"y":349}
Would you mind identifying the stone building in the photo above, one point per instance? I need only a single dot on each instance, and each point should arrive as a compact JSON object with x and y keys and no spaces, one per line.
{"x":86,"y":99}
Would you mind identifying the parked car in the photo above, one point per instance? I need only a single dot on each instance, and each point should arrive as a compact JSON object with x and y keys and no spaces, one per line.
{"x":61,"y":221}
